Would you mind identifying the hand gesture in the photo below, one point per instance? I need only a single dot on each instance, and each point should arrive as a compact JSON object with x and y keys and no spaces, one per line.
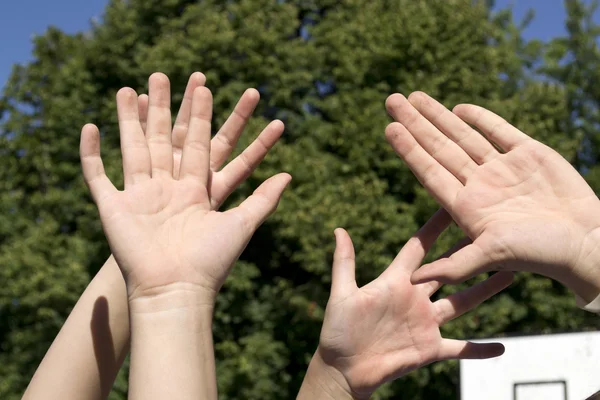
{"x":524,"y":207}
{"x":163,"y":228}
{"x":390,"y":327}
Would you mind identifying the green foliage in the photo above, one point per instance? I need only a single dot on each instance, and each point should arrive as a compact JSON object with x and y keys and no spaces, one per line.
{"x":574,"y":62}
{"x":325,"y":68}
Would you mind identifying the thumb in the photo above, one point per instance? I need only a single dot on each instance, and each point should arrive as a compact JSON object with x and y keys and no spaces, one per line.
{"x":461,"y":265}
{"x":263,"y":202}
{"x":343,"y":280}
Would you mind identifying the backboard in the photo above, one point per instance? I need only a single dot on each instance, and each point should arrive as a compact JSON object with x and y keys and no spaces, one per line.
{"x":545,"y":367}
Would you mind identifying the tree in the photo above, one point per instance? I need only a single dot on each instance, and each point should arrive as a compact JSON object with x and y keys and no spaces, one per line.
{"x":573,"y":61}
{"x":325,"y":68}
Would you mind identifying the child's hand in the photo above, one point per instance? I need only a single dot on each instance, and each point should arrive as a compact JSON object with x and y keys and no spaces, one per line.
{"x":390,"y":327}
{"x":163,"y":229}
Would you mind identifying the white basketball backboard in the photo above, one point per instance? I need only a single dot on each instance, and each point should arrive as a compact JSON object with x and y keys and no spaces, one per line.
{"x":545,"y":367}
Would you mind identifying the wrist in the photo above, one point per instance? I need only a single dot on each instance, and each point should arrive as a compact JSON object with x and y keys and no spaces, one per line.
{"x":175,"y":296}
{"x":179,"y":310}
{"x":323,"y":381}
{"x":171,"y":345}
{"x":585,"y":277}
{"x":171,"y":314}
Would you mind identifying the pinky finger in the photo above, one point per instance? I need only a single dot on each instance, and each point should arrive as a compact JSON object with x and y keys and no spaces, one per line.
{"x":91,"y":163}
{"x":451,"y":349}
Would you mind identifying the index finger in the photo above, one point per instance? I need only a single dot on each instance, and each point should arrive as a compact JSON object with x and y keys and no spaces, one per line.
{"x":438,"y":181}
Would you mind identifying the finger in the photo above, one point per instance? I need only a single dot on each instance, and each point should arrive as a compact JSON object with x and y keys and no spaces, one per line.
{"x":196,"y":150}
{"x":434,"y":142}
{"x":434,"y":177}
{"x":263,"y":202}
{"x":459,"y":303}
{"x":466,"y":263}
{"x":237,"y":171}
{"x":343,"y":282}
{"x":434,"y":286}
{"x":415,"y":249}
{"x":180,"y":128}
{"x":92,"y":166}
{"x":473,"y":144}
{"x":496,"y":128}
{"x":158,"y":130}
{"x":136,"y":157}
{"x":143,"y":110}
{"x":225,"y":140}
{"x":451,"y":349}
{"x":461,"y":244}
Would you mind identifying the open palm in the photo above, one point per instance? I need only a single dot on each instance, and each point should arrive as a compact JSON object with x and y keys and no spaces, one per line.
{"x":524,"y":209}
{"x":163,"y":228}
{"x":390,"y":327}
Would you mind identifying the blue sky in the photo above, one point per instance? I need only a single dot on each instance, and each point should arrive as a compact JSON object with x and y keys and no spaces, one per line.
{"x":19,"y":20}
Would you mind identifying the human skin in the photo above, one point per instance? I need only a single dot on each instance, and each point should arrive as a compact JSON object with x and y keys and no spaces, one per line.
{"x":389,"y":327}
{"x":89,"y":350}
{"x":521,"y":204}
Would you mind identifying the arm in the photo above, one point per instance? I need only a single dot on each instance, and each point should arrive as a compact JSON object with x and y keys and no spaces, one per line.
{"x":523,"y":207}
{"x":172,"y":354}
{"x":322,"y":382}
{"x":173,"y":248}
{"x":86,"y":355}
{"x":389,"y":327}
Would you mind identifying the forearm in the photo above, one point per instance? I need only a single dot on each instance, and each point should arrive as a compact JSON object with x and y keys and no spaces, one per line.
{"x":172,"y":355}
{"x":322,"y":383}
{"x":87,"y":353}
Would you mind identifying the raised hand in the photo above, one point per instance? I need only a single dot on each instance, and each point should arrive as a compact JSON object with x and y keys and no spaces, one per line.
{"x":390,"y":327}
{"x":524,"y":207}
{"x":94,"y":355}
{"x":172,"y":246}
{"x":223,"y":181}
{"x":163,"y":228}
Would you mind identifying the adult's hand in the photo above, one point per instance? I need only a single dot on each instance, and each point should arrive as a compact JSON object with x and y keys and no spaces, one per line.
{"x":522,"y":205}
